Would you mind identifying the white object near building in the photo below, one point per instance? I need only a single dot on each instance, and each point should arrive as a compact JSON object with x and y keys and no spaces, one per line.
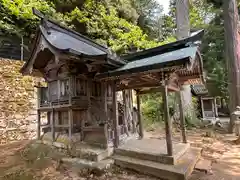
{"x":236,"y":116}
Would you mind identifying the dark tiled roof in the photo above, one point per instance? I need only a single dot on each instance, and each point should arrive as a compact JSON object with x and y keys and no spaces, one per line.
{"x":68,"y":40}
{"x":165,"y":48}
{"x":173,"y":54}
{"x":173,"y":58}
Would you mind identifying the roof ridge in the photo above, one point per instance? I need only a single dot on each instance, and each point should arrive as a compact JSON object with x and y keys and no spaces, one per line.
{"x":44,"y":18}
{"x":159,"y":49}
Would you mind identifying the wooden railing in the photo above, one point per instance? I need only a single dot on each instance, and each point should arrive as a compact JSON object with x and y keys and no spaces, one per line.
{"x":45,"y":101}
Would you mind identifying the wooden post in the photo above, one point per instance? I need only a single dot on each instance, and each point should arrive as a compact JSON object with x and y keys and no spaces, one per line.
{"x":115,"y":114}
{"x":168,"y":123}
{"x":70,"y":123}
{"x":70,"y":111}
{"x":106,"y":101}
{"x":105,"y":116}
{"x":141,"y":134}
{"x":38,"y":113}
{"x":202,"y":107}
{"x":125,"y":116}
{"x":53,"y":125}
{"x":71,"y":88}
{"x":182,"y":118}
{"x":215,"y":107}
{"x":59,"y":90}
{"x":39,"y":97}
{"x":38,"y":124}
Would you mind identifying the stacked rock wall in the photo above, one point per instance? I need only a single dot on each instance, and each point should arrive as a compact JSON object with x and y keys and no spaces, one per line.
{"x":18,"y":102}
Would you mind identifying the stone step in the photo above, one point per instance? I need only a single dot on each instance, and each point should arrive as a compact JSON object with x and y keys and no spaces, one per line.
{"x":90,"y":153}
{"x":181,"y":171}
{"x":156,"y":157}
{"x":86,"y":164}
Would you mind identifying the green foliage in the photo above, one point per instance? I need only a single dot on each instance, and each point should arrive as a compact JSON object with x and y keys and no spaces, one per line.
{"x":152,"y":108}
{"x":110,"y":22}
{"x":149,"y":19}
{"x":104,"y":25}
{"x":213,"y":56}
{"x":192,"y":120}
{"x":17,"y":17}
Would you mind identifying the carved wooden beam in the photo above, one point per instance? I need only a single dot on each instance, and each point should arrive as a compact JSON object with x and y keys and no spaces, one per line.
{"x":138,"y":86}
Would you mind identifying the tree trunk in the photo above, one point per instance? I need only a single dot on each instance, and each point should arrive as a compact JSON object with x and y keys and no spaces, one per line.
{"x":183,"y":31}
{"x":232,"y":56}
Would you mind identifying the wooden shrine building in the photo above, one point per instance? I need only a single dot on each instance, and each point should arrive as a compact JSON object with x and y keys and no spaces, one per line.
{"x":83,"y":79}
{"x":207,"y":103}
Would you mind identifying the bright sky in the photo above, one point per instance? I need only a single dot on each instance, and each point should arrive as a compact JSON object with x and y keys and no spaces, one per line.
{"x":165,"y":4}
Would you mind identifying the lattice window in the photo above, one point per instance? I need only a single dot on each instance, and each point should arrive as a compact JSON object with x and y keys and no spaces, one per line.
{"x":53,"y":90}
{"x":96,"y":89}
{"x":63,"y":120}
{"x":81,"y":87}
{"x":64,"y":87}
{"x":43,"y":95}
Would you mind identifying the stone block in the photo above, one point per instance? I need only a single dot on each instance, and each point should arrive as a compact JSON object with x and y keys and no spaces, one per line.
{"x":204,"y":165}
{"x":59,"y":145}
{"x":49,"y":143}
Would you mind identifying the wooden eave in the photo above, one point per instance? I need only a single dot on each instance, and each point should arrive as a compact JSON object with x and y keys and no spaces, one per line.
{"x":151,"y":80}
{"x":146,"y":81}
{"x":24,"y":70}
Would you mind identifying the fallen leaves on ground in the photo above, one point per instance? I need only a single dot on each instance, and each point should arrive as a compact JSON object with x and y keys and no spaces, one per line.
{"x":26,"y":160}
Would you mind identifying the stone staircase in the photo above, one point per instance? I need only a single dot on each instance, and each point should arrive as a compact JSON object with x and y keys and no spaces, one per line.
{"x":87,"y":156}
{"x":159,"y":165}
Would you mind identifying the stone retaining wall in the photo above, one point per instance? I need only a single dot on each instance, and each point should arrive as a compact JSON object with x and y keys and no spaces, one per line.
{"x":18,"y":102}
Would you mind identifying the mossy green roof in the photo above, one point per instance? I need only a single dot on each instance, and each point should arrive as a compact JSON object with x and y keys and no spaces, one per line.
{"x":174,"y":58}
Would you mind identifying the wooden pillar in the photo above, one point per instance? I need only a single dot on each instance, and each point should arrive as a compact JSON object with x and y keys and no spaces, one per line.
{"x":105,"y":114}
{"x":38,"y":113}
{"x":182,"y":118}
{"x":215,"y":107}
{"x":52,"y":121}
{"x":38,"y":97}
{"x":125,"y":116}
{"x":141,"y":134}
{"x":70,"y":111}
{"x":38,"y":124}
{"x":202,"y":107}
{"x":115,"y":114}
{"x":70,"y":123}
{"x":168,"y":123}
{"x":104,"y":101}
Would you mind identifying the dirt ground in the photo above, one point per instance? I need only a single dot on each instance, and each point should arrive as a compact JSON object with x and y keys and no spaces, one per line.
{"x":24,"y":161}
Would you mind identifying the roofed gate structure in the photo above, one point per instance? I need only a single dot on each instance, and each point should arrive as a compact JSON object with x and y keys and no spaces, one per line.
{"x":80,"y":100}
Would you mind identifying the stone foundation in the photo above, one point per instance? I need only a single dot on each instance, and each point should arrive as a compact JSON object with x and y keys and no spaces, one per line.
{"x":18,"y":102}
